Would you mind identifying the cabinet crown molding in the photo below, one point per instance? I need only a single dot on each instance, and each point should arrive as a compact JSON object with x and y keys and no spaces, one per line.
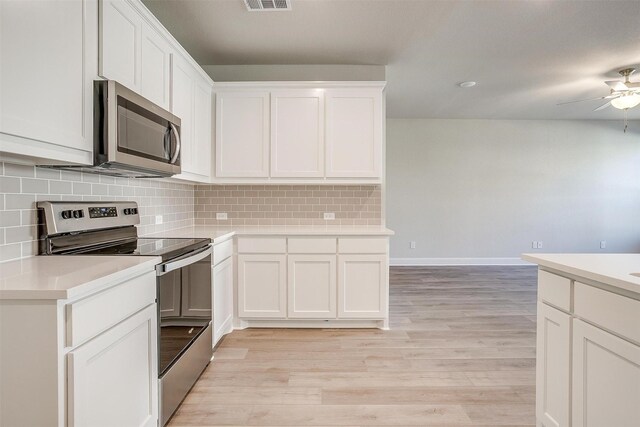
{"x":300,"y":84}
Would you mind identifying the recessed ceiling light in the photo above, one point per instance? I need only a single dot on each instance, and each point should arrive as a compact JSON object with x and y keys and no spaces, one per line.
{"x":467,"y":84}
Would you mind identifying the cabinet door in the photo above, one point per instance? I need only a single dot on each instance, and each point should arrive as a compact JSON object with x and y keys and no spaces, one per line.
{"x":222,"y":299}
{"x":362,"y":286}
{"x":354,"y":132}
{"x":606,"y":378}
{"x":155,"y":67}
{"x":182,"y":105}
{"x":242,"y":134}
{"x":553,"y":366}
{"x":312,"y":286}
{"x":46,"y":78}
{"x":297,"y":133}
{"x":200,"y":159}
{"x":113,"y":379}
{"x":262,"y":286}
{"x":120,"y":43}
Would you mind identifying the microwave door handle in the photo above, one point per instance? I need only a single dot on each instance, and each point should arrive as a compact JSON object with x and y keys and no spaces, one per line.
{"x":174,"y":158}
{"x":162,"y":269}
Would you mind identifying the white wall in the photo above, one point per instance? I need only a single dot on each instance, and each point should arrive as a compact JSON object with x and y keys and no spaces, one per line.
{"x":488,"y":188}
{"x":315,"y":72}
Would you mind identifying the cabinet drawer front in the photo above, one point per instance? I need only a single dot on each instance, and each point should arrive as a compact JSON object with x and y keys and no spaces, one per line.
{"x":222,"y":251}
{"x":554,"y":289}
{"x":619,"y":314}
{"x":312,"y":245}
{"x":262,"y":245}
{"x":362,"y":245}
{"x":88,"y":317}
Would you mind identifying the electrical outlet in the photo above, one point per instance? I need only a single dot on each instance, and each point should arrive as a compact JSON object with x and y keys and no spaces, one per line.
{"x":603,"y":244}
{"x":329,"y":216}
{"x":158,"y":219}
{"x":412,"y":244}
{"x":539,"y":245}
{"x":221,"y":216}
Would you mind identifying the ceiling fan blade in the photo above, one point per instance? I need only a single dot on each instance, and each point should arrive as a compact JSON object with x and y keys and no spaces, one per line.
{"x":617,"y":85}
{"x":602,"y":107}
{"x":583,"y":100}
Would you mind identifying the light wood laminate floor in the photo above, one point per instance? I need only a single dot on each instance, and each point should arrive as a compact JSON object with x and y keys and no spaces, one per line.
{"x":460,"y":352}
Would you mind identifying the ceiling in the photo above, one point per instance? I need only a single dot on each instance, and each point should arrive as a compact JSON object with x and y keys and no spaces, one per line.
{"x":525,"y":55}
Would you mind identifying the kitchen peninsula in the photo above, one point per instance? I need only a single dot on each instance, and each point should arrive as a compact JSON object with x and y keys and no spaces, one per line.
{"x":588,"y":339}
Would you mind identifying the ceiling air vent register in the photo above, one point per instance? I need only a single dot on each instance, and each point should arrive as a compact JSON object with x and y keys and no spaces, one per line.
{"x":267,"y":5}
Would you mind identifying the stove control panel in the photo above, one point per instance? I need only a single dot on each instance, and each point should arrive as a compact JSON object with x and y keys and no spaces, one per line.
{"x":72,"y":213}
{"x":103,"y":212}
{"x":70,"y":217}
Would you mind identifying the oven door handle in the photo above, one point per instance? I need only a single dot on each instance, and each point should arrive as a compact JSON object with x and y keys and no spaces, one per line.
{"x":183,"y":261}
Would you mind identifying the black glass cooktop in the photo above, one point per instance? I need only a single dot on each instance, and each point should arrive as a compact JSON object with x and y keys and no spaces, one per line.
{"x":165,"y":248}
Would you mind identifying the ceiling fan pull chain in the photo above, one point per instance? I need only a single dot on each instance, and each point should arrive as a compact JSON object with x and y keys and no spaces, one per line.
{"x":626,"y":121}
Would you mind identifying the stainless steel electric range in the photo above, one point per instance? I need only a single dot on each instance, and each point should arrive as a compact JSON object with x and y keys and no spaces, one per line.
{"x":183,"y":282}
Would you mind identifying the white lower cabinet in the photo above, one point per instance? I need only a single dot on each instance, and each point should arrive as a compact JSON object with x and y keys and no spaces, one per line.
{"x":87,"y":361}
{"x":112,"y":379}
{"x":606,"y":378}
{"x":362,"y":286}
{"x":588,"y":355}
{"x":553,"y":358}
{"x":222,"y":299}
{"x":262,"y":286}
{"x":307,"y":279}
{"x":312,"y":286}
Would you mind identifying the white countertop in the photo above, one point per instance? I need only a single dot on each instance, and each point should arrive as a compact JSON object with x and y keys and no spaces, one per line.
{"x":63,"y":277}
{"x":219,"y":234}
{"x":611,"y":269}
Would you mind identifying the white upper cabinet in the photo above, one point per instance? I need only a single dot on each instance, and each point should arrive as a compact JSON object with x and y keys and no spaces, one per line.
{"x":49,"y":52}
{"x":155,"y":67}
{"x":133,"y":53}
{"x":297,"y":133}
{"x":192,"y":102}
{"x":120,"y":37}
{"x":354,"y":132}
{"x":300,"y":132}
{"x":242,"y":134}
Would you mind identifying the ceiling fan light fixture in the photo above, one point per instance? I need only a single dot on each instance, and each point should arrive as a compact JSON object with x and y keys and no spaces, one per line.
{"x":625,"y":102}
{"x":467,"y":84}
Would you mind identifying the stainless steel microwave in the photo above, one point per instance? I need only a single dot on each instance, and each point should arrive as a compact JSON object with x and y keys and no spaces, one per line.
{"x":132,"y":135}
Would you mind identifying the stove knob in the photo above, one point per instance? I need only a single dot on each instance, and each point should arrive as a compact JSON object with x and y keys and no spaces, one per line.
{"x":65,"y":214}
{"x":78,"y":214}
{"x":134,"y":211}
{"x":126,"y":211}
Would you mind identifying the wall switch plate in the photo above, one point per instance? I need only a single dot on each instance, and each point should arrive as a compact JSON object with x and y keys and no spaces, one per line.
{"x":534,"y":245}
{"x":329,"y":216}
{"x":603,"y":244}
{"x":412,"y":244}
{"x":539,"y":245}
{"x":158,"y":219}
{"x":221,"y":216}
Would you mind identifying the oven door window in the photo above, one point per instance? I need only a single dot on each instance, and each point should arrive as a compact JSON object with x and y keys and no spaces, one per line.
{"x":184,"y":309}
{"x":142,"y":133}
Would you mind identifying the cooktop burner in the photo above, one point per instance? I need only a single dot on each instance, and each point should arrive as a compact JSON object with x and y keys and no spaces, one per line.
{"x":166,"y":248}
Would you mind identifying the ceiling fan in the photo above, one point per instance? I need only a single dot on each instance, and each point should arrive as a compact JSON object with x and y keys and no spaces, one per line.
{"x":623,"y":94}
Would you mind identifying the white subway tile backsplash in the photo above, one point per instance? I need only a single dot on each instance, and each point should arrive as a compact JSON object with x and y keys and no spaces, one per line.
{"x":9,"y":218}
{"x":19,"y":170}
{"x":46,"y":173}
{"x":20,"y":201}
{"x":21,"y":186}
{"x":9,"y":184}
{"x":60,"y":187}
{"x":35,"y":185}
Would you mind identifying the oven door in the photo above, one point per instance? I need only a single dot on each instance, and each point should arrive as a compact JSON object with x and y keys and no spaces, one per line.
{"x":184,"y":305}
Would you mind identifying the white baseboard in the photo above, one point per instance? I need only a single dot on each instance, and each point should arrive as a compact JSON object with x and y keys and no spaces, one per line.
{"x":456,"y":261}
